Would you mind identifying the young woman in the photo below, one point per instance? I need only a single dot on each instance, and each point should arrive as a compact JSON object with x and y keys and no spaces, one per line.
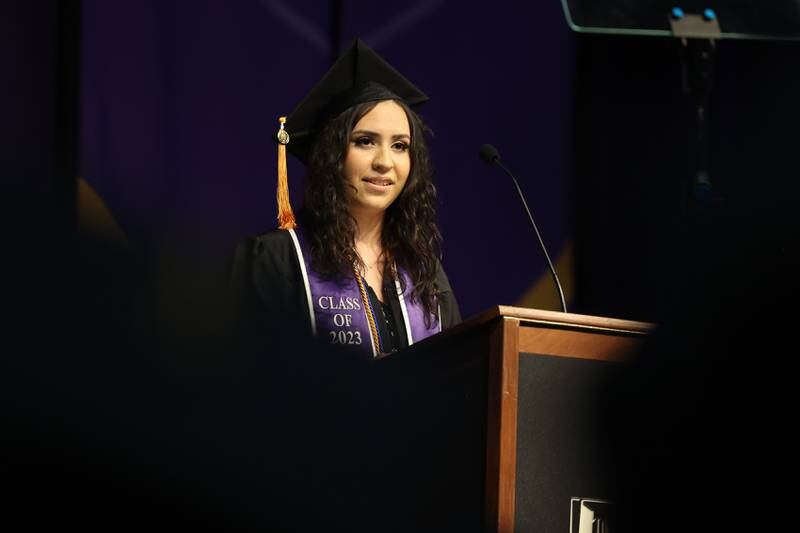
{"x":362,"y":267}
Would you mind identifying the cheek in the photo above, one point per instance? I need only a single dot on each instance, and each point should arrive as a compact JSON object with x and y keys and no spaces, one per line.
{"x":350,"y":176}
{"x":354,"y":165}
{"x":404,"y":168}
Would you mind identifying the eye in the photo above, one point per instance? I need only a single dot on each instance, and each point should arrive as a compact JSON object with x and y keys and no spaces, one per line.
{"x":363,"y":141}
{"x":400,"y":146}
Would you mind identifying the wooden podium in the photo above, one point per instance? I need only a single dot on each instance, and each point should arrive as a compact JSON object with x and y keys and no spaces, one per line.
{"x":489,"y":426}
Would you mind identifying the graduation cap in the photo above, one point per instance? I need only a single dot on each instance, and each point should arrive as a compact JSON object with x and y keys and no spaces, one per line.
{"x":359,"y":75}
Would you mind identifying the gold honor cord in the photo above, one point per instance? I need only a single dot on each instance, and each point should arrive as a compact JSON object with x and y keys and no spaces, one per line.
{"x":370,"y":317}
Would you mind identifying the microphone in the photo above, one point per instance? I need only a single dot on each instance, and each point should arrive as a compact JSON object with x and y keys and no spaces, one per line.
{"x":491,"y":156}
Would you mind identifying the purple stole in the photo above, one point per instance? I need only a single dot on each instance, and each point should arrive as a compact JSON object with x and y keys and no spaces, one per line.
{"x":339,"y":314}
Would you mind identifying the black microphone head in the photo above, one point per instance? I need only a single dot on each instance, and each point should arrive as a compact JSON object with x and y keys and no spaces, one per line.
{"x":489,"y":154}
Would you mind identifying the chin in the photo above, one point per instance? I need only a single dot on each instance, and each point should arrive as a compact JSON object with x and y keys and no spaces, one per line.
{"x":373,"y":206}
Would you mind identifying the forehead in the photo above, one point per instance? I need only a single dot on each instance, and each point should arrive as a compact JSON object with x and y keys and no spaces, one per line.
{"x":386,"y":117}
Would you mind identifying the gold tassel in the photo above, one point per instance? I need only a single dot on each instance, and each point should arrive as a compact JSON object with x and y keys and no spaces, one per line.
{"x":285,"y":215}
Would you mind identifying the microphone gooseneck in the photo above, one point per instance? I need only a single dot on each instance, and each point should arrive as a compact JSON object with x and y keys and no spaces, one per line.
{"x":491,"y":156}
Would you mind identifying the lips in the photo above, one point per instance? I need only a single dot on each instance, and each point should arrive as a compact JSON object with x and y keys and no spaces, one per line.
{"x":379,"y":182}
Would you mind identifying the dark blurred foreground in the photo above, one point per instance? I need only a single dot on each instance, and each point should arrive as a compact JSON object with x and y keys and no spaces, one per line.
{"x":702,"y":425}
{"x":132,"y":399}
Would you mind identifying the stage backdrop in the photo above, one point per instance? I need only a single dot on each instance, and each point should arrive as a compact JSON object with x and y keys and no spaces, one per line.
{"x":180,"y":99}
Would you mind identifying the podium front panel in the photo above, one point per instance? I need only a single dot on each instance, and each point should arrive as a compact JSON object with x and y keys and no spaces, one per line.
{"x":558,"y":456}
{"x":546,"y":378}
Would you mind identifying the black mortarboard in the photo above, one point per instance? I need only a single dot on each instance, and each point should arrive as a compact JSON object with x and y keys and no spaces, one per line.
{"x":359,"y":75}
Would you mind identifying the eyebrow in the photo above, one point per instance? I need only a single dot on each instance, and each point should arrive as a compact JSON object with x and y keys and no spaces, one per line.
{"x":376,"y":134}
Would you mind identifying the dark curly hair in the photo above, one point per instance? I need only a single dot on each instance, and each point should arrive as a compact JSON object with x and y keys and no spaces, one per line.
{"x":410,"y":237}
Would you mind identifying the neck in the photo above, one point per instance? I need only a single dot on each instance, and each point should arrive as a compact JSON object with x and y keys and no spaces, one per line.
{"x":369,"y":228}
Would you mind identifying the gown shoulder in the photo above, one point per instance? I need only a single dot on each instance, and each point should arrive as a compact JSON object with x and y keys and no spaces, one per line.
{"x":265,"y":279}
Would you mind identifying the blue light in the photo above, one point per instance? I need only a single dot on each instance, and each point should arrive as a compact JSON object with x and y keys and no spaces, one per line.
{"x":709,"y":14}
{"x":677,"y":13}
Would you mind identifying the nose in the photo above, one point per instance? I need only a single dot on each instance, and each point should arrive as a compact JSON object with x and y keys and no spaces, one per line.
{"x":383,"y":162}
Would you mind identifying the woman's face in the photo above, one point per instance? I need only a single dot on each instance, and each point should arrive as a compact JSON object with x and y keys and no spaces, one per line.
{"x":378,"y":159}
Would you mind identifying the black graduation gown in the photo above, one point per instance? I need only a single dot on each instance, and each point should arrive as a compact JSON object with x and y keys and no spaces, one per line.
{"x":267,"y":285}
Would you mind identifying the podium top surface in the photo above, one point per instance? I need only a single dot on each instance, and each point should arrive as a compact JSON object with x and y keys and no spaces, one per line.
{"x":588,"y":327}
{"x":753,"y":19}
{"x":557,"y":318}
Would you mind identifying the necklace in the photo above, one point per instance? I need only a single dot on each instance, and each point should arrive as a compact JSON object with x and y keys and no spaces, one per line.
{"x":369,"y":266}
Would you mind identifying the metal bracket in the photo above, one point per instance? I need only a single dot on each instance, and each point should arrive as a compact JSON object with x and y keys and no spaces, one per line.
{"x":695,"y":27}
